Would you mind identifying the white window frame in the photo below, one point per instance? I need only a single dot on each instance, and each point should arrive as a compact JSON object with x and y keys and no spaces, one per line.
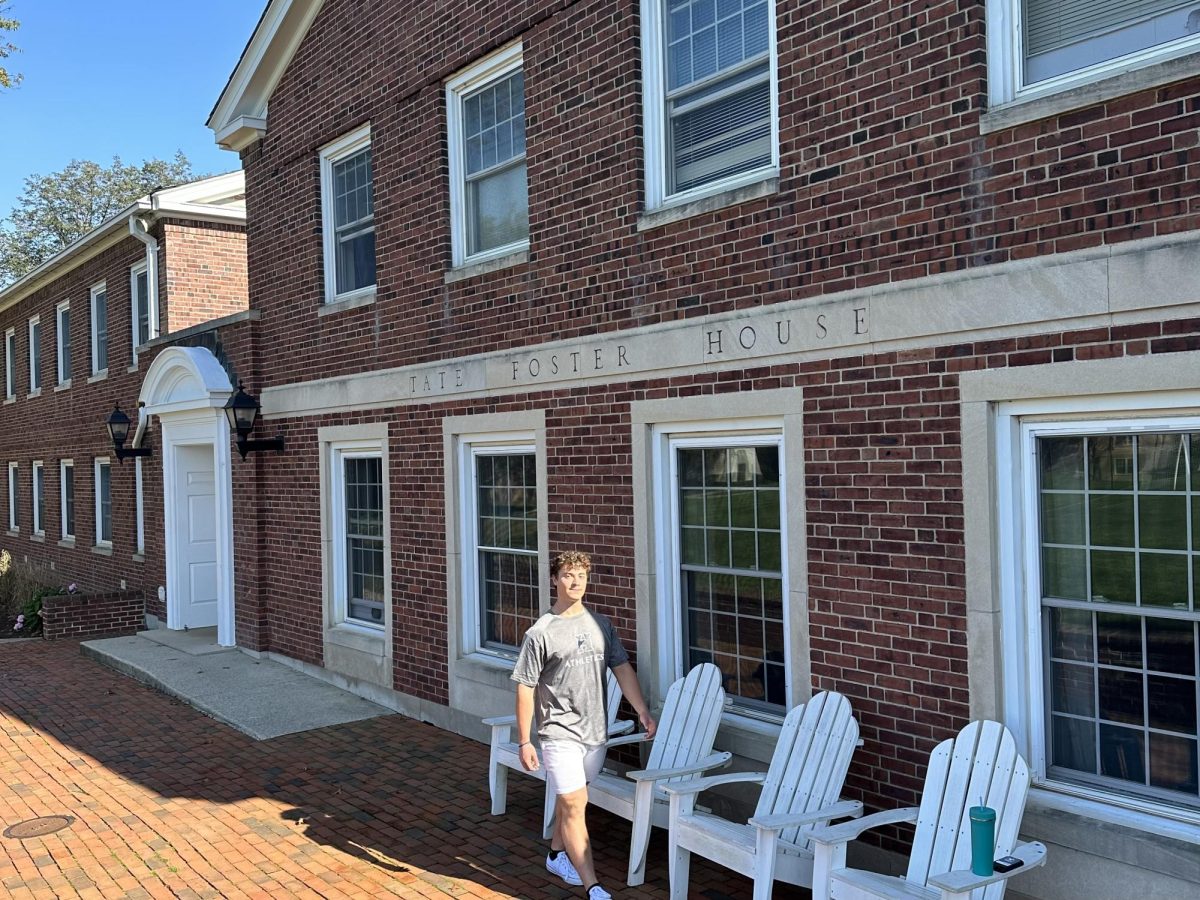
{"x":35,"y":350}
{"x":1023,"y":691}
{"x":14,"y":474}
{"x":495,"y":67}
{"x":654,"y":120}
{"x":339,"y":452}
{"x":471,"y":446}
{"x":1006,"y":63}
{"x":151,"y":308}
{"x":38,"y":493}
{"x":61,"y":312}
{"x":67,"y":534}
{"x":332,"y":153}
{"x":667,"y":439}
{"x":10,"y":364}
{"x":99,"y":463}
{"x":93,"y":293}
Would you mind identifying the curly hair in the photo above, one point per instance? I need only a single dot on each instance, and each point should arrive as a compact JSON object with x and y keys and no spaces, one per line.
{"x":571,"y":559}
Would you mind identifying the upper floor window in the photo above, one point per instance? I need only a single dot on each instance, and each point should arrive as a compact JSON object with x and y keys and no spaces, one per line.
{"x":10,"y":363}
{"x":39,"y":497}
{"x":1038,"y":47}
{"x":348,"y":212}
{"x":63,"y":317}
{"x":35,"y":354}
{"x":710,"y":95}
{"x":489,"y":196}
{"x":142,"y":317}
{"x":99,"y":308}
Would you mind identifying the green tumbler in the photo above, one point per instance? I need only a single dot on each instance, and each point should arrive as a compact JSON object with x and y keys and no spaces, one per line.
{"x":983,"y":839}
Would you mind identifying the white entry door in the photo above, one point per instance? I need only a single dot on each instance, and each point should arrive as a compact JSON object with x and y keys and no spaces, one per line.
{"x":196,"y":528}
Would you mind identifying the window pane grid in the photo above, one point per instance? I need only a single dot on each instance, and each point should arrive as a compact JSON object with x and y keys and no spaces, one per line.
{"x":1119,"y":570}
{"x":68,"y":489}
{"x":731,"y":569}
{"x":354,"y":221}
{"x":105,"y":488}
{"x":365,"y":563}
{"x":507,"y":541}
{"x":142,"y":305}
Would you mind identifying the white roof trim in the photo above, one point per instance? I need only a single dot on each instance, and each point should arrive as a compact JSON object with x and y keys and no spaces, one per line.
{"x":240,"y":114}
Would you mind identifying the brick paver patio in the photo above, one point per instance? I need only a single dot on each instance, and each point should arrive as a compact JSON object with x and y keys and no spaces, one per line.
{"x":169,"y":803}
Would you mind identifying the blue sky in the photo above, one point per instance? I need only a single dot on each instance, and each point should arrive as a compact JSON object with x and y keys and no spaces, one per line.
{"x":117,"y":77}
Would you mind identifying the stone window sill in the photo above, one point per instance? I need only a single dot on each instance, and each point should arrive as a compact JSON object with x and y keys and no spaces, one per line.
{"x":366,"y":298}
{"x":665,"y":215}
{"x":102,"y":550}
{"x":484,"y":266}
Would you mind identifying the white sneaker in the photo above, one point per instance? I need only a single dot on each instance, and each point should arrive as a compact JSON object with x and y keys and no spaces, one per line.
{"x":561,"y":866}
{"x":598,"y":893}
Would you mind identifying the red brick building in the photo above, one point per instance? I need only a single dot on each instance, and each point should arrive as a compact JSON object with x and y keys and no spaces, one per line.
{"x":858,"y":343}
{"x":83,"y":331}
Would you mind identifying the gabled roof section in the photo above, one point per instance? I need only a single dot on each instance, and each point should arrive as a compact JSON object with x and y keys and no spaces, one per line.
{"x":240,"y":116}
{"x":221,"y":198}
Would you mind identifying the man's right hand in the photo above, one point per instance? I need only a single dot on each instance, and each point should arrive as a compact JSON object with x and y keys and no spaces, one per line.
{"x":529,"y":758}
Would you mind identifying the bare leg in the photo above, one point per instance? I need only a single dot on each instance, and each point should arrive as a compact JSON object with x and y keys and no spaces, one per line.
{"x":570,"y":833}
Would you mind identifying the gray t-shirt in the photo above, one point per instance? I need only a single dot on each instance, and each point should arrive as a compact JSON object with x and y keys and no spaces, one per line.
{"x":563,"y":659}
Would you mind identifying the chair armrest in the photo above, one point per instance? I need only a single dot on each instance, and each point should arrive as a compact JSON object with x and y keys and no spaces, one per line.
{"x":621,"y":726}
{"x":624,"y":739}
{"x":848,"y":831}
{"x":500,"y":720}
{"x":695,"y":785}
{"x":715,"y":761}
{"x":964,"y":881}
{"x":838,"y":810}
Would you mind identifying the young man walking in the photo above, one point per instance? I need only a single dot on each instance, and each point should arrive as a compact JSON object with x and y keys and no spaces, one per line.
{"x":560,"y":676}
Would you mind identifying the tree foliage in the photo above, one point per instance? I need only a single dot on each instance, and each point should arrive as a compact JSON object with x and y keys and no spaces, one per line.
{"x":56,"y":210}
{"x":7,"y":48}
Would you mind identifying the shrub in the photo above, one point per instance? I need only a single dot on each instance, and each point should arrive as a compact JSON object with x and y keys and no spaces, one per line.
{"x":22,"y":588}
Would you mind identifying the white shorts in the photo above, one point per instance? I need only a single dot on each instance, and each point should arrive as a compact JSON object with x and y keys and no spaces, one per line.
{"x":570,"y":765}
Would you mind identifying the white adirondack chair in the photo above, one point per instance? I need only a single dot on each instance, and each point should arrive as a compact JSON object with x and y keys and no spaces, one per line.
{"x":980,"y":763}
{"x":505,"y":755}
{"x":681,"y":748}
{"x":799,"y":792}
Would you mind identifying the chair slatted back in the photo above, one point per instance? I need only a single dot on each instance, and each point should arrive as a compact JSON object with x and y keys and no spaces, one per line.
{"x":612,"y":697}
{"x":810,"y":761}
{"x":690,"y":717}
{"x":980,"y":764}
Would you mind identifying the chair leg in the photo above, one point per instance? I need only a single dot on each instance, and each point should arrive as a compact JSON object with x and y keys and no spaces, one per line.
{"x":548,"y":815}
{"x":764,"y":864}
{"x":680,"y":864}
{"x":498,"y":786}
{"x":826,"y":859}
{"x":643,"y":808}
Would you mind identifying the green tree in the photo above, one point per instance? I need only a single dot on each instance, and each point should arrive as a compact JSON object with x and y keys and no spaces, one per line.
{"x":7,"y":48}
{"x":58,"y":209}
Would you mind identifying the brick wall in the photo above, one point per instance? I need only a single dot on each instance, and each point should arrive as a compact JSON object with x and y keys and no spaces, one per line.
{"x":885,"y":176}
{"x":204,"y":273}
{"x":77,"y":616}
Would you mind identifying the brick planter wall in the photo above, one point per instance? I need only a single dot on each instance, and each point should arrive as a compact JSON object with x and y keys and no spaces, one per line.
{"x":88,"y":615}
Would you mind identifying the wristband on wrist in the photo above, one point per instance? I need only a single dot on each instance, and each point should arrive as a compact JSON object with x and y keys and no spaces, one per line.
{"x":524,"y":744}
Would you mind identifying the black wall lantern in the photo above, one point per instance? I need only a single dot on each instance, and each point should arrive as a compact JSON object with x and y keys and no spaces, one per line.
{"x":242,"y":409}
{"x":118,"y":428}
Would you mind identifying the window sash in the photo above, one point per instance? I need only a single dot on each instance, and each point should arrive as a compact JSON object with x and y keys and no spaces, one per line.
{"x":13,"y":512}
{"x":10,"y":364}
{"x":354,"y":238}
{"x":64,"y":344}
{"x":361,"y":564}
{"x":140,"y":289}
{"x":99,"y":331}
{"x":39,"y":498}
{"x":35,"y":355}
{"x":67,"y":498}
{"x":707,"y":613}
{"x":1052,"y":24}
{"x":103,"y":503}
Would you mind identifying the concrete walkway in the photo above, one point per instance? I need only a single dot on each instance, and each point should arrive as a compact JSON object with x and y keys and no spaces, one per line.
{"x":258,"y":697}
{"x":156,"y":800}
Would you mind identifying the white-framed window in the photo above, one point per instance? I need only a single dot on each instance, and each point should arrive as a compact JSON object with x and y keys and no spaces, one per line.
{"x":489,"y":192}
{"x":10,"y":363}
{"x":720,"y":523}
{"x":348,"y":216}
{"x":499,"y":520}
{"x":1040,"y":47}
{"x":99,"y":315}
{"x":103,"y":508}
{"x":39,"y":497}
{"x":14,"y":473}
{"x":35,"y":354}
{"x":357,"y":503}
{"x":143,"y":318}
{"x":66,"y":498}
{"x":1100,"y":550}
{"x":62,"y":319}
{"x":710,"y":96}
